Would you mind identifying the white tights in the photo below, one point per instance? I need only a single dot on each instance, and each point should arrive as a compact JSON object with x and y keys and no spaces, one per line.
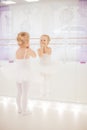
{"x":22,"y":96}
{"x":46,"y":84}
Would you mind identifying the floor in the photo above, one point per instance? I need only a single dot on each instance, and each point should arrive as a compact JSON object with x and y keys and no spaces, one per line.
{"x":43,"y":115}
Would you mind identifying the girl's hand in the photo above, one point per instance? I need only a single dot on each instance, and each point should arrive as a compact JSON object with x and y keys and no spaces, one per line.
{"x":43,"y":48}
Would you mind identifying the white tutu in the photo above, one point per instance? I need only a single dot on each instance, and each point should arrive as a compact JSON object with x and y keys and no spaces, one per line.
{"x":21,"y":70}
{"x":46,"y":65}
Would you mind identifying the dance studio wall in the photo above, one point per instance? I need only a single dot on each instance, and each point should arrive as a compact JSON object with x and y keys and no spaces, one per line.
{"x":59,"y":19}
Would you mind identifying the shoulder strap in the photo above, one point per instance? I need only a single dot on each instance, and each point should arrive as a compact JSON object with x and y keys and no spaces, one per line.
{"x":25,"y":53}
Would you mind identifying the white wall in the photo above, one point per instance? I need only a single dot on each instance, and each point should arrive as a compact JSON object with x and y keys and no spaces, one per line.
{"x":44,"y":17}
{"x":55,"y":17}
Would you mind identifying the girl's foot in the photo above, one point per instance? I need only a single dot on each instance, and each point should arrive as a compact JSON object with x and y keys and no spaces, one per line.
{"x":24,"y":113}
{"x":19,"y":111}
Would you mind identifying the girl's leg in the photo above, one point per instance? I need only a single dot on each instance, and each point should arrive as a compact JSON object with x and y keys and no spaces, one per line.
{"x":46,"y":85}
{"x":25,"y":89}
{"x":19,"y":95}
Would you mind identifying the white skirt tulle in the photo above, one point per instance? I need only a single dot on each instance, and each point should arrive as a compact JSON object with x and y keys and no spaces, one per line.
{"x":48,"y":69}
{"x":33,"y":74}
{"x":10,"y":72}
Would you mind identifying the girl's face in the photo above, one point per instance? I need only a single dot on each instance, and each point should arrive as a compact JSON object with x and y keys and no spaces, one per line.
{"x":44,"y":41}
{"x":23,"y":40}
{"x":27,"y":45}
{"x":26,"y":42}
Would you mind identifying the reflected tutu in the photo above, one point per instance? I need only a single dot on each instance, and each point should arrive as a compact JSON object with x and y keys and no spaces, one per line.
{"x":47,"y":66}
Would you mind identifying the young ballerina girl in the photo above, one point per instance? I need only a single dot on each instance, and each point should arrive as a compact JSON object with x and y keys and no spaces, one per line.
{"x":44,"y":53}
{"x":23,"y":54}
{"x":44,"y":48}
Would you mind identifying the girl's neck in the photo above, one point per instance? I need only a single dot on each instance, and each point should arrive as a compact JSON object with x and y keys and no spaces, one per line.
{"x":24,"y":47}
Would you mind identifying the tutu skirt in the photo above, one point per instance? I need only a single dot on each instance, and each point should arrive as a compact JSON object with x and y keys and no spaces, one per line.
{"x":47,"y":69}
{"x":16,"y":73}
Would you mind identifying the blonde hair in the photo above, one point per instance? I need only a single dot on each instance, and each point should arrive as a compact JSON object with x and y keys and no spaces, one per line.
{"x":23,"y":38}
{"x":48,"y":37}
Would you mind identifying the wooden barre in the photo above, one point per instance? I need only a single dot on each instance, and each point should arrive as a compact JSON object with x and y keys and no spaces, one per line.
{"x":54,"y":38}
{"x":54,"y":44}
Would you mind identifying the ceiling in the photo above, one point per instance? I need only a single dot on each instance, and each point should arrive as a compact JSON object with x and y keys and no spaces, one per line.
{"x":24,"y":2}
{"x":21,"y":2}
